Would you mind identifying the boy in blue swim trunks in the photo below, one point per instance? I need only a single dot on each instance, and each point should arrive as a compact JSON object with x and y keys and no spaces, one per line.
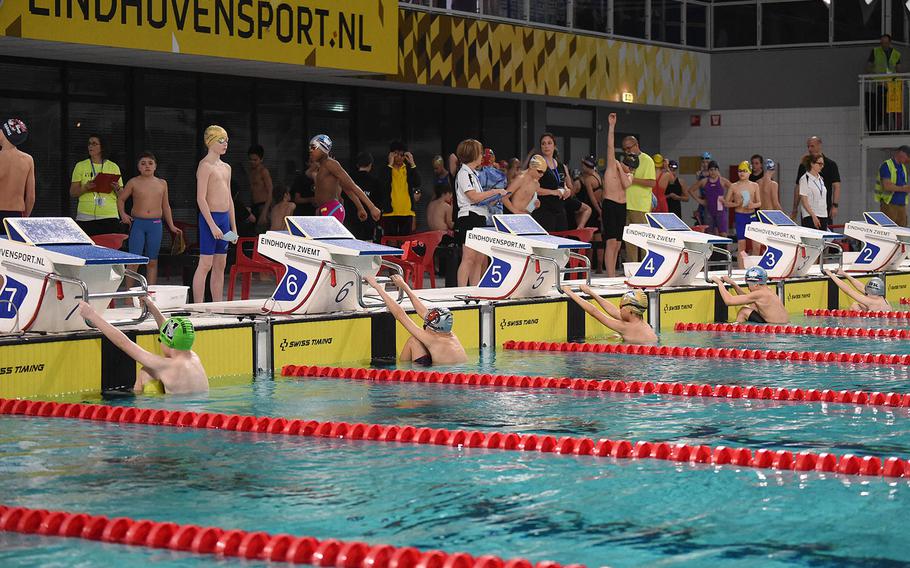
{"x":435,"y":343}
{"x":217,"y":225}
{"x":150,"y":206}
{"x":744,"y":197}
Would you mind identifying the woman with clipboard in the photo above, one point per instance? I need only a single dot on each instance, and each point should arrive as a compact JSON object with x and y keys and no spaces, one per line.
{"x":95,"y":183}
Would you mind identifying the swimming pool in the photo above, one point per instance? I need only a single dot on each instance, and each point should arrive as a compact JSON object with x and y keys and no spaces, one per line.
{"x":597,"y":511}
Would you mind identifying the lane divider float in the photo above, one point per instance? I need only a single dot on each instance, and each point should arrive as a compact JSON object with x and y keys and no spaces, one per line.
{"x":858,"y":314}
{"x":796,"y":330}
{"x":713,"y":353}
{"x":847,"y":464}
{"x":237,"y":543}
{"x":905,"y":301}
{"x":600,"y":385}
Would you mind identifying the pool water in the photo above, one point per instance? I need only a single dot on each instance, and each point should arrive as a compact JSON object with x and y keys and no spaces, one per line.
{"x":596,"y":511}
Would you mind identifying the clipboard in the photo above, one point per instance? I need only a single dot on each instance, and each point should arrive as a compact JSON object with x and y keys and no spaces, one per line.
{"x":104,"y":182}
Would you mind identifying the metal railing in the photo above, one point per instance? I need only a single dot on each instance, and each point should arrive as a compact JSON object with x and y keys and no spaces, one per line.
{"x":883,"y":104}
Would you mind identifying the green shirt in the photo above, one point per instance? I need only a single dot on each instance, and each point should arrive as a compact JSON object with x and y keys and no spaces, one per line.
{"x":92,"y":205}
{"x":638,"y":197}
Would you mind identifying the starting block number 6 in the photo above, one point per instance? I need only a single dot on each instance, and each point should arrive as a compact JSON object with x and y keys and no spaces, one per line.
{"x":291,"y":285}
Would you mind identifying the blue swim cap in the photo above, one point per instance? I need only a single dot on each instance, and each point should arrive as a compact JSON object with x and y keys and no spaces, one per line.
{"x":439,"y":319}
{"x":322,"y":142}
{"x":756,"y":275}
{"x":707,"y":156}
{"x":875,"y":287}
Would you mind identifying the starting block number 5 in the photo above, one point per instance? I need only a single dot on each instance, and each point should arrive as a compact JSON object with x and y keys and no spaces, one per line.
{"x":496,"y":274}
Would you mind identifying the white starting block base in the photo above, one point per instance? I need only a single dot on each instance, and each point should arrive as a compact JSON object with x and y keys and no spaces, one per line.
{"x":885,"y":245}
{"x":324,"y":266}
{"x":525,"y":261}
{"x":47,"y":265}
{"x":790,"y":250}
{"x":674,"y":253}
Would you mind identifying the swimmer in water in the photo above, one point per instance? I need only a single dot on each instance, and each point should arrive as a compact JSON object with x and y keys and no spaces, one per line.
{"x":873,"y":297}
{"x":626,"y":320}
{"x":330,"y":179}
{"x":744,"y":197}
{"x":435,"y":343}
{"x":760,"y":303}
{"x":177,"y":370}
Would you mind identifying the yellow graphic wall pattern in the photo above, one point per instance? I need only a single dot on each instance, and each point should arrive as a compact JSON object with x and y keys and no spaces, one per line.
{"x":449,"y":51}
{"x":354,"y":35}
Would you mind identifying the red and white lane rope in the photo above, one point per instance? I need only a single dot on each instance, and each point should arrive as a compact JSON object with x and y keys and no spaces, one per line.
{"x":243,"y":544}
{"x":600,"y":385}
{"x":857,"y":314}
{"x":847,"y":464}
{"x":713,"y":353}
{"x":787,"y":329}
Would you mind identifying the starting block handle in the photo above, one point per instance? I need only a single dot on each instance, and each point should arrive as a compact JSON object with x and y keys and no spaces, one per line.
{"x":358,"y":281}
{"x":838,"y":254}
{"x":144,"y":292}
{"x":708,"y":262}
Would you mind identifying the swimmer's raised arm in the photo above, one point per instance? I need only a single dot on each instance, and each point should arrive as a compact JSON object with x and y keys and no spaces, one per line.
{"x":739,"y":289}
{"x":616,"y":325}
{"x":153,"y":309}
{"x":120,"y":340}
{"x":396,"y":310}
{"x":847,"y":288}
{"x":730,"y":299}
{"x":606,"y":305}
{"x":419,"y":307}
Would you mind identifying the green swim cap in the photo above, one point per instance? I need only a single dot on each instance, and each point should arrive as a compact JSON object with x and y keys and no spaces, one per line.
{"x":177,"y":333}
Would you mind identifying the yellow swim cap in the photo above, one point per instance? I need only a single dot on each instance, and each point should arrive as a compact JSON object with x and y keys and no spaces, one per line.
{"x":658,"y":160}
{"x":745,"y":166}
{"x":538,"y":163}
{"x":213,"y":134}
{"x":636,"y":300}
{"x":154,"y":386}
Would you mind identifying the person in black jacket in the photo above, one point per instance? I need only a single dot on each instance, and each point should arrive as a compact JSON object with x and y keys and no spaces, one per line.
{"x":398,"y":190}
{"x":363,"y":230}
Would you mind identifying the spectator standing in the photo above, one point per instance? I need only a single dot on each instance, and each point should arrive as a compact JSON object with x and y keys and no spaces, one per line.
{"x":613,"y":208}
{"x":743,"y":196}
{"x":892,"y":185}
{"x":554,"y":187}
{"x":829,"y":173}
{"x":439,"y":211}
{"x":709,"y":193}
{"x":661,"y":181}
{"x":96,"y":211}
{"x":638,"y":195}
{"x":471,"y":215}
{"x":700,"y":212}
{"x":490,"y":177}
{"x":302,"y":194}
{"x":260,"y":185}
{"x":364,"y":230}
{"x":592,"y":194}
{"x":883,"y":60}
{"x":675,"y":192}
{"x":812,"y":205}
{"x":770,"y":191}
{"x":17,"y":171}
{"x":398,"y":189}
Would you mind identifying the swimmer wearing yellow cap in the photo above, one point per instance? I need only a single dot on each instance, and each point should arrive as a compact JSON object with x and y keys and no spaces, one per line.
{"x":744,"y":197}
{"x":521,"y":196}
{"x":177,"y":370}
{"x":627,"y":320}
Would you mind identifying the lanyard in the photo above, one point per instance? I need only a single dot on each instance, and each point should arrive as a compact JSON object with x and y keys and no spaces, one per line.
{"x":555,"y":170}
{"x":819,"y":184}
{"x":100,"y":170}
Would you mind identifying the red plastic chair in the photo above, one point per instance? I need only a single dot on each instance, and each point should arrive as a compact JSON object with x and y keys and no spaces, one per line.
{"x":245,"y":266}
{"x":416,"y":270}
{"x":110,"y":240}
{"x":584,"y":235}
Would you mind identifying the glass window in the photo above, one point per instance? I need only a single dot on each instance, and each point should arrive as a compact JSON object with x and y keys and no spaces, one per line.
{"x":30,"y":78}
{"x":629,"y":18}
{"x":43,"y":121}
{"x":794,"y":22}
{"x":898,"y":20}
{"x":107,"y":82}
{"x":513,"y":9}
{"x":169,"y":89}
{"x":591,"y":15}
{"x":500,"y":121}
{"x":464,"y":5}
{"x":225,"y":92}
{"x":462,"y":120}
{"x":696,"y":25}
{"x":734,"y":26}
{"x":666,"y":21}
{"x":381,"y":121}
{"x":329,"y":113}
{"x":551,"y":12}
{"x":170,"y":133}
{"x":855,"y":20}
{"x":280,"y":128}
